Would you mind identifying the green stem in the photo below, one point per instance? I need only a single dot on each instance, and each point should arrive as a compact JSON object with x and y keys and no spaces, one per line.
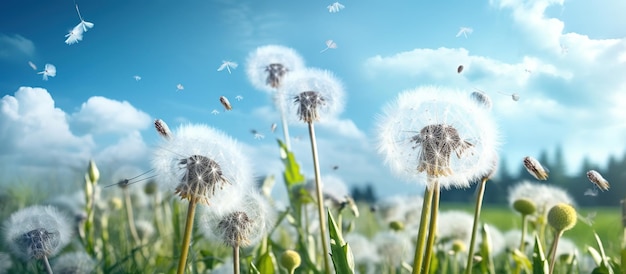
{"x":320,"y":198}
{"x":555,"y":243}
{"x":421,"y":235}
{"x":236,"y":259}
{"x":191,"y":211}
{"x":522,"y":244}
{"x":432,"y":231}
{"x":128,"y":206}
{"x":477,"y":209}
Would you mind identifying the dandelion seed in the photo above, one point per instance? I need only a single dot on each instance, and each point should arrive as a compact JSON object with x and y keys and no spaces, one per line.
{"x":335,"y":7}
{"x":76,"y":34}
{"x":591,"y":192}
{"x":598,"y":180}
{"x":481,"y":98}
{"x":238,"y":97}
{"x":137,"y":78}
{"x":535,"y":168}
{"x":224,"y":101}
{"x":459,"y":69}
{"x":228,"y":65}
{"x":49,"y":71}
{"x":330,"y":44}
{"x":162,"y":128}
{"x":514,"y":96}
{"x":528,"y":71}
{"x":257,"y":135}
{"x":32,"y":65}
{"x":179,"y":87}
{"x":215,"y":112}
{"x":273,"y":127}
{"x":464,"y":31}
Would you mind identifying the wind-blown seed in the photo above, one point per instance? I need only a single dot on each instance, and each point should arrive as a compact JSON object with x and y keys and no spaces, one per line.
{"x":598,"y":180}
{"x":535,"y":168}
{"x":162,"y":128}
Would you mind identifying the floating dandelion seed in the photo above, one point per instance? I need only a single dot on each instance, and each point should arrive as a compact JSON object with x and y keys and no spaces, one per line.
{"x":459,"y":69}
{"x":228,"y":65}
{"x":224,"y":101}
{"x":162,"y":128}
{"x":598,"y":180}
{"x":137,"y":78}
{"x":335,"y":7}
{"x":335,"y":167}
{"x":32,"y":65}
{"x":591,"y":192}
{"x":215,"y":112}
{"x":238,"y":97}
{"x":257,"y":135}
{"x":49,"y":71}
{"x":330,"y":44}
{"x":514,"y":96}
{"x":179,"y":87}
{"x":273,"y":127}
{"x":535,"y":168}
{"x":464,"y":31}
{"x":76,"y":34}
{"x":481,"y":98}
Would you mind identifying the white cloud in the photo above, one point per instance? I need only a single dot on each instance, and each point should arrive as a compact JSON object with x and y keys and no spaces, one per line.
{"x":12,"y":46}
{"x":101,"y":115}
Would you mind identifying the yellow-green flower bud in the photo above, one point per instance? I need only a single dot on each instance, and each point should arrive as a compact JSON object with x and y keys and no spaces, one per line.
{"x":562,"y":217}
{"x":524,"y":206}
{"x":396,"y":226}
{"x":94,"y":173}
{"x":151,"y":187}
{"x":290,"y":260}
{"x":458,"y":246}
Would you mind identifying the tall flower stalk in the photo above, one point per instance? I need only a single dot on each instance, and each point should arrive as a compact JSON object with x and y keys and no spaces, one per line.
{"x":203,"y":166}
{"x":315,"y":92}
{"x":266,"y":68}
{"x":439,"y":138}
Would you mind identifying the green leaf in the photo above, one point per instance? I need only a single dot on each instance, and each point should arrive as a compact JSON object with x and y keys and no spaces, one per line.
{"x":292,"y":173}
{"x":267,"y":263}
{"x":341,"y":254}
{"x":540,"y":264}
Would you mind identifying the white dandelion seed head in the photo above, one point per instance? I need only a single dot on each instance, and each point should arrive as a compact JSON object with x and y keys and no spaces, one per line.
{"x":496,"y":242}
{"x":543,"y":196}
{"x":439,"y":131}
{"x":404,"y":208}
{"x":363,"y":250}
{"x":566,"y":247}
{"x":512,"y":239}
{"x":145,"y":229}
{"x":243,"y":225}
{"x":312,"y":94}
{"x":207,"y":160}
{"x":37,"y":231}
{"x":392,"y":248}
{"x":77,"y":262}
{"x":334,"y":189}
{"x":5,"y":262}
{"x":271,"y":63}
{"x":481,"y":99}
{"x":454,"y":225}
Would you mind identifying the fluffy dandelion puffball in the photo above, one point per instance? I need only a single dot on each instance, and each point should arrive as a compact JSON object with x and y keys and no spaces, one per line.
{"x":542,"y":196}
{"x":36,"y":232}
{"x":74,"y":262}
{"x":312,"y":95}
{"x":267,"y":65}
{"x":433,"y":132}
{"x":241,"y":226}
{"x":200,"y":162}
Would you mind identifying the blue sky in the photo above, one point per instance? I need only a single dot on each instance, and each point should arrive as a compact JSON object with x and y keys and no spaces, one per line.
{"x":566,"y":60}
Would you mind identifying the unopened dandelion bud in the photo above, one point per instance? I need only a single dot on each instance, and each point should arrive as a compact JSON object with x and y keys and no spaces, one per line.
{"x":162,"y":128}
{"x":151,"y":187}
{"x":290,"y":260}
{"x":94,"y":173}
{"x":535,"y":168}
{"x":524,"y":206}
{"x":396,"y":225}
{"x":598,"y":180}
{"x":458,"y":246}
{"x":562,"y":217}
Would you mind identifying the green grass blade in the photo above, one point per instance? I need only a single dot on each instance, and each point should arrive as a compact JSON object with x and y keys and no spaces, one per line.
{"x":540,"y":264}
{"x":340,"y":250}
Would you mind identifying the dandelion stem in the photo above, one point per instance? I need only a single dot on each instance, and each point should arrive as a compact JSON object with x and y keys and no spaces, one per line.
{"x":320,"y":199}
{"x":421,"y":235}
{"x":522,"y":244}
{"x":130,"y":217}
{"x":555,"y":243}
{"x":191,"y":211}
{"x":236,"y":259}
{"x":477,"y":209}
{"x":430,"y":243}
{"x":46,"y":264}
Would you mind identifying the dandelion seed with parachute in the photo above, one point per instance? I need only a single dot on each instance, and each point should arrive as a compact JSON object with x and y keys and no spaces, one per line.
{"x":273,"y":127}
{"x":215,"y":112}
{"x":224,"y":101}
{"x":49,"y":71}
{"x":179,"y":87}
{"x":238,"y":97}
{"x":591,"y":192}
{"x":137,"y":78}
{"x":76,"y":34}
{"x":464,"y":31}
{"x":228,"y":65}
{"x":335,"y":7}
{"x":535,"y":168}
{"x":330,"y":44}
{"x":597,"y":179}
{"x":32,"y":65}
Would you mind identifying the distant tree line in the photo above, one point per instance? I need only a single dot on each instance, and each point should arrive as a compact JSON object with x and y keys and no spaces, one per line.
{"x":576,"y":183}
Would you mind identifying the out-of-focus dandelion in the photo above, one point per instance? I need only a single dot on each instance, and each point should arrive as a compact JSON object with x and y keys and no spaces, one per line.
{"x":330,"y":44}
{"x":464,"y":31}
{"x":238,"y":97}
{"x":335,"y":7}
{"x":162,"y":128}
{"x":481,"y":98}
{"x":215,"y":112}
{"x":202,"y":165}
{"x":76,"y":34}
{"x":49,"y":71}
{"x":535,"y":168}
{"x":224,"y":101}
{"x":459,"y":69}
{"x":37,"y":232}
{"x":5,"y":263}
{"x":542,"y":196}
{"x":591,"y":192}
{"x":74,"y":262}
{"x":180,"y":87}
{"x":32,"y":65}
{"x":228,"y":65}
{"x":598,"y":180}
{"x":137,"y":78}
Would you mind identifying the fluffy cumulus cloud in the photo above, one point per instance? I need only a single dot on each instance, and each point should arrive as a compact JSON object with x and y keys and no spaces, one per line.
{"x":571,"y":86}
{"x":38,"y":145}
